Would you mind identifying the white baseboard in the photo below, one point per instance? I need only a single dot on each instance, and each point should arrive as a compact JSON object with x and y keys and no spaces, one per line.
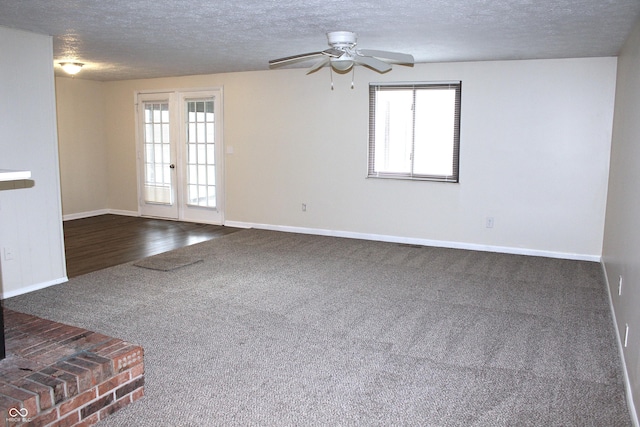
{"x":417,"y":241}
{"x":124,"y":213}
{"x":88,"y":214}
{"x":625,"y":374}
{"x":376,"y":237}
{"x":81,"y":215}
{"x":34,"y":287}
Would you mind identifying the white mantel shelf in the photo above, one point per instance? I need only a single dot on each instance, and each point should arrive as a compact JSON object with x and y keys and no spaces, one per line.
{"x":13,"y":175}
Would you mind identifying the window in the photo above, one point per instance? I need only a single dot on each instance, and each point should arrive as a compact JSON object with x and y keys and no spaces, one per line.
{"x":414,"y":131}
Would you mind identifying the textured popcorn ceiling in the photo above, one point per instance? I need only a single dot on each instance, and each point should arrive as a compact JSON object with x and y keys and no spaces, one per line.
{"x":125,"y":39}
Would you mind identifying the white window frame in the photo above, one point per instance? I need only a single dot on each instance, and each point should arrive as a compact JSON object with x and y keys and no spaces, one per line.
{"x":374,"y":89}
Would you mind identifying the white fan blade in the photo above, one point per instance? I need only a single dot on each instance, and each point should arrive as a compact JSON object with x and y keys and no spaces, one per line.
{"x":333,"y":52}
{"x":318,"y":65}
{"x":294,"y":58}
{"x":376,"y":64}
{"x":402,"y":58}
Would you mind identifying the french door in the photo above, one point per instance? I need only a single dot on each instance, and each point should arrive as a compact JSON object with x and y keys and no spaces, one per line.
{"x":180,"y":155}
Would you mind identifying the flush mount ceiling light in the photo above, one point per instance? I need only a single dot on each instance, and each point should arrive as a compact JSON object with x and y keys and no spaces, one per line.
{"x":72,"y":68}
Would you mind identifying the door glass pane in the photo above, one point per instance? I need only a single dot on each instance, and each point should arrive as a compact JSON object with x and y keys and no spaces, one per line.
{"x":157,"y":158}
{"x":200,"y":139}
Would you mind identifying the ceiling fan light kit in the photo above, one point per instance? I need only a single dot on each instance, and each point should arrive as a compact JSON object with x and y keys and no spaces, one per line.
{"x":342,"y":55}
{"x":344,"y":63}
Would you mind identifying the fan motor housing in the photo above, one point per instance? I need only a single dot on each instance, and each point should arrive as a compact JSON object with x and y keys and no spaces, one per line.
{"x":342,"y":38}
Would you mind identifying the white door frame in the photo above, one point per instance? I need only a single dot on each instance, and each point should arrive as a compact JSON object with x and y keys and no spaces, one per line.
{"x":168,"y":209}
{"x":189,"y":212}
{"x":180,"y":209}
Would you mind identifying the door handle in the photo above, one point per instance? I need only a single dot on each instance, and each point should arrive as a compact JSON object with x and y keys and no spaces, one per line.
{"x":172,"y":166}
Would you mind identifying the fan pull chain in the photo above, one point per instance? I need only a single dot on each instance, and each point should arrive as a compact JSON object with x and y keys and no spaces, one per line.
{"x":331,"y":74}
{"x":353,"y":75}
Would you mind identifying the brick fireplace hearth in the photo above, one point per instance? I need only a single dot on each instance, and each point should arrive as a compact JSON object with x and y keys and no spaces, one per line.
{"x":61,"y":375}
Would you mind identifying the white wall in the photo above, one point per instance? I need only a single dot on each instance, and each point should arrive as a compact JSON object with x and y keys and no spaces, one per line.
{"x":30,"y":216}
{"x":621,"y":252}
{"x":535,"y":141}
{"x":83,"y":148}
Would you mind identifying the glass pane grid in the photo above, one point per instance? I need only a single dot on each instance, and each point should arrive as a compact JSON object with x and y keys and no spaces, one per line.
{"x":201,"y":153}
{"x":157,"y":153}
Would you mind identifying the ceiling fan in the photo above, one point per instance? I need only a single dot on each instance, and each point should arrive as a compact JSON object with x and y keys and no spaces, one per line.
{"x":342,"y":55}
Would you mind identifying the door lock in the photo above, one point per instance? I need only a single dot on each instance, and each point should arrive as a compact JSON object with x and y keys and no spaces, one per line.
{"x":172,"y":166}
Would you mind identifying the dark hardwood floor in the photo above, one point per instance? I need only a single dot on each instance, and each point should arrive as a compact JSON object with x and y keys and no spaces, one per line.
{"x":106,"y":240}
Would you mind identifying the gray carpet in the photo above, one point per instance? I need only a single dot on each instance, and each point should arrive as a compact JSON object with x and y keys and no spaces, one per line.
{"x":280,"y":329}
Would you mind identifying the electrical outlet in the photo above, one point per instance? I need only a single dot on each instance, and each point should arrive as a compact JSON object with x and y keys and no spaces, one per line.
{"x":620,"y":285}
{"x":8,"y":254}
{"x":489,"y":222}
